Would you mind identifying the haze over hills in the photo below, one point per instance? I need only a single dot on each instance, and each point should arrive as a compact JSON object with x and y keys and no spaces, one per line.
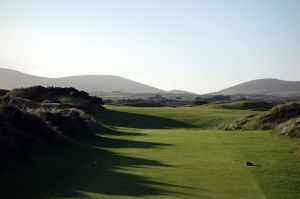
{"x":10,"y":79}
{"x":268,"y":86}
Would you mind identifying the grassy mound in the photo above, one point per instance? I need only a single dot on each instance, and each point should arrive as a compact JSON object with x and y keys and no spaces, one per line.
{"x":249,"y":105}
{"x":290,"y":128}
{"x":67,"y":96}
{"x":22,"y":133}
{"x":26,"y":125}
{"x":281,"y":117}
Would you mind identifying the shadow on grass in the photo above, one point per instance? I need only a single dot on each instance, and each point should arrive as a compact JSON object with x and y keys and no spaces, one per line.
{"x":134,"y":120}
{"x":122,"y":143}
{"x":86,"y":169}
{"x":108,"y":130}
{"x":254,"y":165}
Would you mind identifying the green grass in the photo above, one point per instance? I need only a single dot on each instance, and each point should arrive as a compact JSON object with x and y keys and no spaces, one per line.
{"x":206,"y":116}
{"x":163,"y":153}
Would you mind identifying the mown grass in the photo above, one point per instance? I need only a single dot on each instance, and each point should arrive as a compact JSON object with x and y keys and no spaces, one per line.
{"x":183,"y":156}
{"x":206,"y":116}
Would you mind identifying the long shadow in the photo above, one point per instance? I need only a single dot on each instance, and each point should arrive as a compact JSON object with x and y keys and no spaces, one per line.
{"x":84,"y":169}
{"x":105,"y":130}
{"x":134,"y":120}
{"x":123,"y":143}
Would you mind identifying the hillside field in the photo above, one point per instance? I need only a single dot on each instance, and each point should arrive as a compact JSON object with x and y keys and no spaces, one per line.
{"x":163,"y":153}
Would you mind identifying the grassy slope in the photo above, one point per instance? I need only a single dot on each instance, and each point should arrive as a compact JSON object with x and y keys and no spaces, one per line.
{"x":183,"y":156}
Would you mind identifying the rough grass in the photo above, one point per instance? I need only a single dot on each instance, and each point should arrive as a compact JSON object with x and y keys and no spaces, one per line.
{"x":185,"y":158}
{"x":267,"y":120}
{"x":26,"y":126}
{"x":290,"y":128}
{"x":248,"y":105}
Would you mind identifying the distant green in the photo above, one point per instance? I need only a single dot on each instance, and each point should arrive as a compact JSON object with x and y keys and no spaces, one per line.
{"x":163,"y":153}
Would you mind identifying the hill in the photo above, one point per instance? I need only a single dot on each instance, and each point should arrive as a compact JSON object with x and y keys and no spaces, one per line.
{"x":10,"y":79}
{"x":274,"y":87}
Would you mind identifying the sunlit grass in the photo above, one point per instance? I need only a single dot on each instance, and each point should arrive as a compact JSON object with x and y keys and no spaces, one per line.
{"x":164,"y":161}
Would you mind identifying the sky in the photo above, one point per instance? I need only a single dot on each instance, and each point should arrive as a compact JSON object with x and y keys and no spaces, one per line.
{"x":195,"y":45}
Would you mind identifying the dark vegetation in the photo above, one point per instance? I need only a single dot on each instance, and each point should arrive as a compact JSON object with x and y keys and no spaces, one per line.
{"x":26,"y":125}
{"x":139,"y":103}
{"x":257,"y":105}
{"x":214,"y":98}
{"x":161,"y":101}
{"x":22,"y":133}
{"x":153,"y":101}
{"x":68,"y":96}
{"x":200,"y":102}
{"x":3,"y":92}
{"x":284,"y":119}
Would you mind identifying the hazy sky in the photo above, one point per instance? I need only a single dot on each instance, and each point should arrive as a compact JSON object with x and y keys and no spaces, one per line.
{"x":195,"y":45}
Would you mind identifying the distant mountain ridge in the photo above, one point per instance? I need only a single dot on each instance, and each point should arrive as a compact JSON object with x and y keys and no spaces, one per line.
{"x":268,"y":86}
{"x":10,"y":79}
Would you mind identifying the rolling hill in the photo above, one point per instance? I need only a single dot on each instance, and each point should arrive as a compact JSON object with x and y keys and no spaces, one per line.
{"x":274,"y":87}
{"x":10,"y":79}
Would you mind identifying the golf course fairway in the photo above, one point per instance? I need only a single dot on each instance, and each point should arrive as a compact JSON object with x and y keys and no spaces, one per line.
{"x":163,"y":153}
